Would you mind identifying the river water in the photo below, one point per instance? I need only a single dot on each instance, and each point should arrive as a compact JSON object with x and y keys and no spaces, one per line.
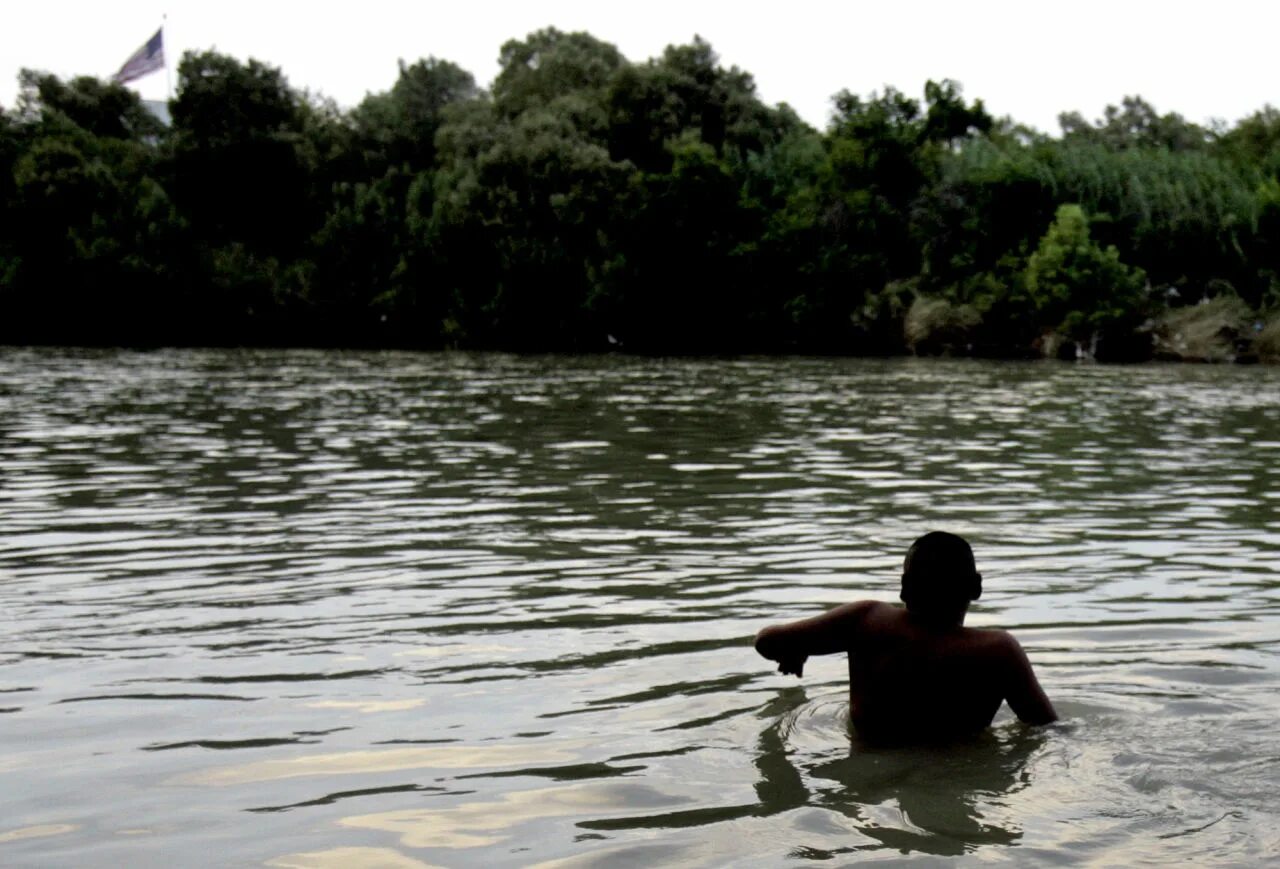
{"x":316,"y":609}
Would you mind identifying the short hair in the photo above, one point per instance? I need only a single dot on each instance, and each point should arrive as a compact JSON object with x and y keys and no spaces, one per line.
{"x":939,"y":573}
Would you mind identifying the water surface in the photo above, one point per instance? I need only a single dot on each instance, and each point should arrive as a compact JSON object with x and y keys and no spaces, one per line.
{"x":312,"y":609}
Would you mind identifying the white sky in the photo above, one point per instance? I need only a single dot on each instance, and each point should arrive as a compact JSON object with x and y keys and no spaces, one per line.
{"x":1028,"y":59}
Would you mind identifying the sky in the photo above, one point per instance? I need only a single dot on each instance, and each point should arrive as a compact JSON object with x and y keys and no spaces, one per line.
{"x":1029,"y":60}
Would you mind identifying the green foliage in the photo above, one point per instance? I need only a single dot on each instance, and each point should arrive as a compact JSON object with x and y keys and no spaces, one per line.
{"x":947,"y":118}
{"x":1263,"y":248}
{"x":1079,"y":289}
{"x":1183,"y":215}
{"x":886,"y":157}
{"x":1255,"y":141}
{"x":988,"y":203}
{"x":1135,"y":123}
{"x":549,"y":65}
{"x":520,"y":225}
{"x":239,"y":173}
{"x":590,"y":202}
{"x":222,"y":101}
{"x":935,"y":325}
{"x":85,"y":104}
{"x":398,"y":128}
{"x":91,"y":230}
{"x":693,"y":296}
{"x":1266,"y":342}
{"x":879,"y":321}
{"x":683,"y":94}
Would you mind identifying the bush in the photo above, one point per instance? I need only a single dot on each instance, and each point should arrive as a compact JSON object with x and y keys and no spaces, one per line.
{"x":934,"y":326}
{"x":1215,"y":330}
{"x":1266,"y":342}
{"x":879,"y":322}
{"x":1080,"y":290}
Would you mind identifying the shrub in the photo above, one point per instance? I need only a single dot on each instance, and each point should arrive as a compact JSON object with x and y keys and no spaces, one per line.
{"x":1213,"y":331}
{"x":1077,"y":288}
{"x":1266,"y":342}
{"x":935,"y":325}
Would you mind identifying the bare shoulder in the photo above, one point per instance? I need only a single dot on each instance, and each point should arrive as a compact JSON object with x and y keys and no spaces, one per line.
{"x":876,"y":616}
{"x":850,"y":617}
{"x":855,"y":614}
{"x":999,"y":644}
{"x":997,"y":638}
{"x":876,"y":609}
{"x":1022,"y":689}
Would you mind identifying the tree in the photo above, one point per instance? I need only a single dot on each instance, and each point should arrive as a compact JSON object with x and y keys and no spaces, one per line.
{"x":398,"y":128}
{"x":947,"y":118}
{"x":1254,"y":141}
{"x":1078,"y":289}
{"x":94,"y":107}
{"x":522,"y":223}
{"x":685,"y":287}
{"x":92,"y":233}
{"x":1135,"y":123}
{"x":239,"y":177}
{"x":11,"y":146}
{"x":683,"y":94}
{"x":549,"y":65}
{"x":85,"y":255}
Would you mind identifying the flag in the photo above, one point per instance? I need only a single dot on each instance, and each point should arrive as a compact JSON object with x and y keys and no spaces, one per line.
{"x":145,"y":60}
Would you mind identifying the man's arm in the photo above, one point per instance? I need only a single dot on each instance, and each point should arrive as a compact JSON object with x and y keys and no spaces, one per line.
{"x":1022,"y":689}
{"x":791,"y":644}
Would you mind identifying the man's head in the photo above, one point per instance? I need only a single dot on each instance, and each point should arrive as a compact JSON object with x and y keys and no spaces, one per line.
{"x":939,"y":578}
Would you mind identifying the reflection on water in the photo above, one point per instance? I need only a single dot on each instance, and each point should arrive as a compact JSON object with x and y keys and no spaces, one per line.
{"x":35,"y":832}
{"x":340,"y":609}
{"x":488,"y":822}
{"x":946,"y":801}
{"x":348,"y":858}
{"x":385,"y":760}
{"x":942,"y":800}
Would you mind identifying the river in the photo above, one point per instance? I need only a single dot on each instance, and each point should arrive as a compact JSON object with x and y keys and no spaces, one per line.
{"x":322,"y":609}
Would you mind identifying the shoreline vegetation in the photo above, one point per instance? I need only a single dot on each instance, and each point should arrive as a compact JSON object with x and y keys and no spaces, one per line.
{"x":588,"y":203}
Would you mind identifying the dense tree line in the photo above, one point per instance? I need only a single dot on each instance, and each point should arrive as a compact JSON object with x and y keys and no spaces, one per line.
{"x":587,"y":202}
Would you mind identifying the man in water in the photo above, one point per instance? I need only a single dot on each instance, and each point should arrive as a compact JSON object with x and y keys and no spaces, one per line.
{"x":917,"y":673}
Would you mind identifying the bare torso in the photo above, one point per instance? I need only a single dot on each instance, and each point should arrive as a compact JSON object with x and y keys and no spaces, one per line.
{"x":908,"y":679}
{"x":911,"y":679}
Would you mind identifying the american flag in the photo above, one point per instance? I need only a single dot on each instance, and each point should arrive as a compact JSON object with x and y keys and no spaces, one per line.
{"x":145,"y":60}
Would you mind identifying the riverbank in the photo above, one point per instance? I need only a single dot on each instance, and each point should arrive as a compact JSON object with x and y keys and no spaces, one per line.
{"x":1219,"y":331}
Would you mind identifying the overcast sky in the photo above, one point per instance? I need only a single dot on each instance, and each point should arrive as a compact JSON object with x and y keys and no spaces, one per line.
{"x":1027,"y":59}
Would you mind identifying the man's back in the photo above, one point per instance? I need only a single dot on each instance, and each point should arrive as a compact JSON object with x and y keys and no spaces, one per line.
{"x":918,"y":673}
{"x":909,"y":680}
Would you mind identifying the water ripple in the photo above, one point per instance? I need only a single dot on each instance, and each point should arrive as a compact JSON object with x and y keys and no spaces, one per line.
{"x":523,"y":570}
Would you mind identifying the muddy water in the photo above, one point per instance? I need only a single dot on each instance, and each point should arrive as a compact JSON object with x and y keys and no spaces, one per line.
{"x":336,"y":609}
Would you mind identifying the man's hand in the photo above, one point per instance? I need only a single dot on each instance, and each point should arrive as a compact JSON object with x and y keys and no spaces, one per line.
{"x":792,"y":666}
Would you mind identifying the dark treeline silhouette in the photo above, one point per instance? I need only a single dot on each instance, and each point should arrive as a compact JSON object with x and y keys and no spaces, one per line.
{"x":588,"y":203}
